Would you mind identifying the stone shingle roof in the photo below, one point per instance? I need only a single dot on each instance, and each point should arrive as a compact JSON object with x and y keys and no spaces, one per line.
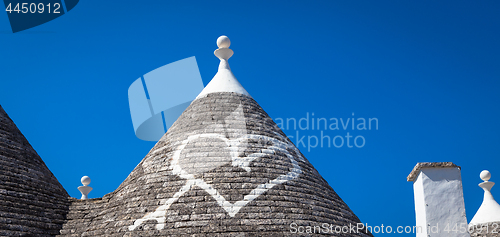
{"x":32,"y":201}
{"x":224,"y":168}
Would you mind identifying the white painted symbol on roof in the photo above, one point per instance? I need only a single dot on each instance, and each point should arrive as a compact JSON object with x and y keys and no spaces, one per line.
{"x":236,"y":145}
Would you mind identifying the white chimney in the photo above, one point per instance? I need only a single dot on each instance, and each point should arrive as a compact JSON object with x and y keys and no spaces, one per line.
{"x":439,"y":200}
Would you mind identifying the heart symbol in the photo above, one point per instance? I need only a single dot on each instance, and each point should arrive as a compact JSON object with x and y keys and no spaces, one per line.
{"x":24,"y":15}
{"x":281,"y":145}
{"x":229,"y":148}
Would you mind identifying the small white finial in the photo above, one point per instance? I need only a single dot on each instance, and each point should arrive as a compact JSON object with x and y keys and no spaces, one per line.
{"x":224,"y":80}
{"x":85,"y":190}
{"x":85,"y":180}
{"x":224,"y":52}
{"x":485,"y":175}
{"x":223,"y":42}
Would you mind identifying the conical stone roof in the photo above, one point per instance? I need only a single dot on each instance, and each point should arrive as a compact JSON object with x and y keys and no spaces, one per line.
{"x":223,"y":169}
{"x":32,"y":201}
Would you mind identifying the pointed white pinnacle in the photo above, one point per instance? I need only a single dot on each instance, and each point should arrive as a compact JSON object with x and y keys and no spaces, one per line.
{"x":489,"y":211}
{"x":224,"y":80}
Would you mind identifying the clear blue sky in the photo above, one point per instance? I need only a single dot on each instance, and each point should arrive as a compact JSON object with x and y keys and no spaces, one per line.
{"x":427,"y":70}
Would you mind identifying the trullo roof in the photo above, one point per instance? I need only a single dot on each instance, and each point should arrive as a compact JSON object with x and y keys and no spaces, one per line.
{"x":223,"y":169}
{"x":32,"y":201}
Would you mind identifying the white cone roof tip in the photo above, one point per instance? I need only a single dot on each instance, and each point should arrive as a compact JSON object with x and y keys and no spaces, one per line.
{"x":224,"y":80}
{"x":489,"y":211}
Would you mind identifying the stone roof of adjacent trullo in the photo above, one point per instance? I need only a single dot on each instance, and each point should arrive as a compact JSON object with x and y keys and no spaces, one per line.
{"x":32,"y":201}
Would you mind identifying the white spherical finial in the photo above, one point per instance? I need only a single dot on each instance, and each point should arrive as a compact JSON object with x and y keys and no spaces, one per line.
{"x":223,"y":42}
{"x":85,"y":180}
{"x":485,"y":175}
{"x":85,"y":190}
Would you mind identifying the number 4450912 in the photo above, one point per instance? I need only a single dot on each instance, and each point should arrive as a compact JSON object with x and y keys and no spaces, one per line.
{"x":34,"y":8}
